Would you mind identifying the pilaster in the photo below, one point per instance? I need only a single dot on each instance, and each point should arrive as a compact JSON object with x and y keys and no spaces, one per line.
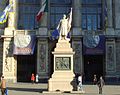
{"x":77,"y":47}
{"x":77,"y":17}
{"x":110,"y":58}
{"x":9,"y":63}
{"x":117,"y":13}
{"x":109,"y":30}
{"x":42,"y":58}
{"x":43,"y":23}
{"x":116,"y":16}
{"x":110,"y":13}
{"x":13,"y":15}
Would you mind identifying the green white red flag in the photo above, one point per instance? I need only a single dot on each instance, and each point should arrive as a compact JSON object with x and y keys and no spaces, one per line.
{"x":42,"y":10}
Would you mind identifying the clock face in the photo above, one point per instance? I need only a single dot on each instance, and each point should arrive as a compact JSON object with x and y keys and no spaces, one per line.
{"x":22,"y":40}
{"x":91,"y":41}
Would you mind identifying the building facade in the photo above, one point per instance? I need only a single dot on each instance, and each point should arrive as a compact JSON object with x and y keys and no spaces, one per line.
{"x":95,"y":38}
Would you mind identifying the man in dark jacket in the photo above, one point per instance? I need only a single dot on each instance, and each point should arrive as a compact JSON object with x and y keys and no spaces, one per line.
{"x":100,"y":84}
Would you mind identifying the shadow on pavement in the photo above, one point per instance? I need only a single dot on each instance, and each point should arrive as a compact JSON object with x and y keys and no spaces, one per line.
{"x":27,"y":89}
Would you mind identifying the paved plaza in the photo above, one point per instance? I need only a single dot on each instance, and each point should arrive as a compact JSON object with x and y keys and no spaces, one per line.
{"x":38,"y":89}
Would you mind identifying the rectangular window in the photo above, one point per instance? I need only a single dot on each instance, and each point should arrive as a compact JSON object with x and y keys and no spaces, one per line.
{"x":91,"y":14}
{"x":27,"y":14}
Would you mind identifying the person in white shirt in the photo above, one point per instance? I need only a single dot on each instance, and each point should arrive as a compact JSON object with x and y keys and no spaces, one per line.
{"x":80,"y":88}
{"x":37,"y":78}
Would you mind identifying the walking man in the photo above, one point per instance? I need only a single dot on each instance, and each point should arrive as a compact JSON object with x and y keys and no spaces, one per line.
{"x":100,"y":84}
{"x":3,"y":85}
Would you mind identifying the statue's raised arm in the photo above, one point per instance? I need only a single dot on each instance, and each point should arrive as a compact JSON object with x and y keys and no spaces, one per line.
{"x":64,"y":26}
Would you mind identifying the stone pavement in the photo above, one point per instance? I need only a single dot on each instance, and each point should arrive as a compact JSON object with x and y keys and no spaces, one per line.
{"x":37,"y":89}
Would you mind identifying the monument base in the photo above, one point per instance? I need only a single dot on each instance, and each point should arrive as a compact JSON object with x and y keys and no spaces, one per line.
{"x":61,"y":81}
{"x":63,"y":77}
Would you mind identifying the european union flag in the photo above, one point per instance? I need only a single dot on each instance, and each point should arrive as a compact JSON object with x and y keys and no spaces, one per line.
{"x":54,"y":35}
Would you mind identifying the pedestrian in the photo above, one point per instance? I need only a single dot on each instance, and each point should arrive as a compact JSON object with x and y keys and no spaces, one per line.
{"x":37,"y":78}
{"x":100,"y":84}
{"x":3,"y":85}
{"x":80,"y":88}
{"x":1,"y":77}
{"x":94,"y":80}
{"x":32,"y":78}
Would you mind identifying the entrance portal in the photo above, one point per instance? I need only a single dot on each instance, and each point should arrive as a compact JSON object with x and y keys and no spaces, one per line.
{"x":26,"y":65}
{"x":93,"y":65}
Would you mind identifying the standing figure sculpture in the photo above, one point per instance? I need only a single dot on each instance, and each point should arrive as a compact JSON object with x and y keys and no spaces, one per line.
{"x":64,"y":26}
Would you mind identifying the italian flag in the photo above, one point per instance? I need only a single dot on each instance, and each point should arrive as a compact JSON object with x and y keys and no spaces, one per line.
{"x":42,"y":10}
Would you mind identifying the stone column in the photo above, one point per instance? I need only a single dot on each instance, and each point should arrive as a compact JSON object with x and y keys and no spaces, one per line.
{"x":117,"y":13}
{"x":77,"y":17}
{"x":12,"y":19}
{"x":110,"y":30}
{"x":43,"y":22}
{"x":9,"y":63}
{"x":13,"y":16}
{"x":110,"y":15}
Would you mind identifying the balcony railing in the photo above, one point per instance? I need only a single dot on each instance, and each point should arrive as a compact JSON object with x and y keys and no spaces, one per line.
{"x":92,"y":32}
{"x":25,"y":32}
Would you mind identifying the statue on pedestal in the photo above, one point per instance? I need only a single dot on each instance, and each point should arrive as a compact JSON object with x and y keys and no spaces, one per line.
{"x":64,"y":26}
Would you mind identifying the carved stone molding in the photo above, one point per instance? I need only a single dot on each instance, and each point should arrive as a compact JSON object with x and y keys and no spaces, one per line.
{"x":8,"y":57}
{"x":42,"y":58}
{"x":110,"y":57}
{"x":77,"y":47}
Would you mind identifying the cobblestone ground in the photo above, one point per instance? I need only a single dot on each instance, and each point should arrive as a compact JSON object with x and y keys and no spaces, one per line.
{"x":38,"y":89}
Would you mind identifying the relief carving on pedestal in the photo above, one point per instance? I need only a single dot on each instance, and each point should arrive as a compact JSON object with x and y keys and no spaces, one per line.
{"x":62,"y":63}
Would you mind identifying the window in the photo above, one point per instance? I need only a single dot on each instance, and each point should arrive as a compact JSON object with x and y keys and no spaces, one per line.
{"x":91,"y":14}
{"x":28,"y":10}
{"x":57,"y":9}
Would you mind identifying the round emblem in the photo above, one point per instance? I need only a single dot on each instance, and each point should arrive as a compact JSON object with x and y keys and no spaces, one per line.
{"x":22,"y":40}
{"x":91,"y":41}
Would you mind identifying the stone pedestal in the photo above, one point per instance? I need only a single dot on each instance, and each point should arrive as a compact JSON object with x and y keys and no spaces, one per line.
{"x":63,"y":76}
